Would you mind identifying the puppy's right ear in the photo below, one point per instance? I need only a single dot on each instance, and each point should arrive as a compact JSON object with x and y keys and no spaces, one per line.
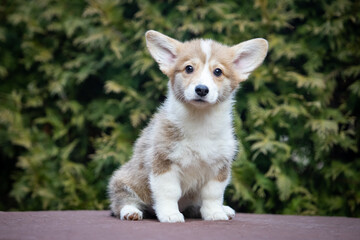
{"x":163,"y":49}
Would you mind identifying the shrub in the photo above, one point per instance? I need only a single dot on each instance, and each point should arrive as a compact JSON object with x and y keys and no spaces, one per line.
{"x":78,"y":85}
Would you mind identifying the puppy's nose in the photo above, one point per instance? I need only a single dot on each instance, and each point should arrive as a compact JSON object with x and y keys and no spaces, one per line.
{"x":201,"y":90}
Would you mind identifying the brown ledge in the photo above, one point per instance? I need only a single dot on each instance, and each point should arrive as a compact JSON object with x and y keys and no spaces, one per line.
{"x":88,"y":225}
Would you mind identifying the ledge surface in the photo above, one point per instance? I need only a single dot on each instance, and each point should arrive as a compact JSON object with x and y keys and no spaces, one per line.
{"x":100,"y":225}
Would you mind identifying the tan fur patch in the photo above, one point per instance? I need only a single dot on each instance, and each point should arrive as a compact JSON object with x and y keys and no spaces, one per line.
{"x":190,"y":50}
{"x":139,"y":184}
{"x":161,"y":164}
{"x":223,"y":174}
{"x":142,"y":189}
{"x":224,"y":55}
{"x":171,"y":132}
{"x":189,"y":53}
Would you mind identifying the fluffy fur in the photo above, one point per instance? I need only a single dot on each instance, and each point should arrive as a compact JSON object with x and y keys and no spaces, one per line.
{"x":182,"y":160}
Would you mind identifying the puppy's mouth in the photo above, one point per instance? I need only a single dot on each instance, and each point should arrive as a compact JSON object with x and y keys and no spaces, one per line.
{"x":199,"y":102}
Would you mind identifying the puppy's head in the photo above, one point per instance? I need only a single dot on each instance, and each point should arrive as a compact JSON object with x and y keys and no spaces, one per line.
{"x":204,"y":72}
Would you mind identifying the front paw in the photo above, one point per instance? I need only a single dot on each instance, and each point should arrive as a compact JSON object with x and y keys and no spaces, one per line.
{"x":214,"y":214}
{"x":171,"y":218}
{"x":229,"y":212}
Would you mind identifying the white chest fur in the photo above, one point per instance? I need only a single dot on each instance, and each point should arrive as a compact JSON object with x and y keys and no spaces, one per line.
{"x":207,"y":145}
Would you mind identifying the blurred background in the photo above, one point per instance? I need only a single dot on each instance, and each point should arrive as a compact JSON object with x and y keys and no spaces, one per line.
{"x":77,"y":85}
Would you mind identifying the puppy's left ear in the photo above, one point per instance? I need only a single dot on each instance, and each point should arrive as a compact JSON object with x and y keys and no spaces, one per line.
{"x":248,"y":56}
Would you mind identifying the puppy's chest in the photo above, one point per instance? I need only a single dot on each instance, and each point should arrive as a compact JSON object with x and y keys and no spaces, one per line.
{"x":200,"y":158}
{"x":207,"y":148}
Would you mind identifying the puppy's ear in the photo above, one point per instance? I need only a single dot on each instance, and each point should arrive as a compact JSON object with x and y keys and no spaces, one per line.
{"x":163,"y":49}
{"x":248,"y":56}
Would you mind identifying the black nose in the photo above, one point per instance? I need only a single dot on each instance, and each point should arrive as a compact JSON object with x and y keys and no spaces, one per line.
{"x":201,"y":90}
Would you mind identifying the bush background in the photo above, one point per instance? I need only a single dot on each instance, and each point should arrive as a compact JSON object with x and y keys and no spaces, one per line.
{"x":77,"y":86}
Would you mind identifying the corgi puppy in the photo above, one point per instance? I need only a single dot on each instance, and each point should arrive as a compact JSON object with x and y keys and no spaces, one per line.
{"x":182,"y":160}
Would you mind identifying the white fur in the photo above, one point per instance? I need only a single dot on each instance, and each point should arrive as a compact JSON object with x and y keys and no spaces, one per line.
{"x":210,"y":138}
{"x":166,"y":193}
{"x":206,"y":48}
{"x":212,"y":201}
{"x":204,"y":79}
{"x":210,"y":135}
{"x":229,"y":212}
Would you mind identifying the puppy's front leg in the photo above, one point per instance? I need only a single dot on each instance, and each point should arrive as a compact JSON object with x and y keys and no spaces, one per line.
{"x":212,"y":195}
{"x":166,"y":194}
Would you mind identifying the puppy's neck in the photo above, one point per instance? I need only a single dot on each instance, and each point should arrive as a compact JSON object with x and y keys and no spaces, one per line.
{"x":182,"y":113}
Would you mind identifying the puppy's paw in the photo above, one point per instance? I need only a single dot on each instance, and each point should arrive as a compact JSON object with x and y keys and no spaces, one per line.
{"x":131,"y":213}
{"x":229,"y":212}
{"x":214,"y":214}
{"x":171,"y":218}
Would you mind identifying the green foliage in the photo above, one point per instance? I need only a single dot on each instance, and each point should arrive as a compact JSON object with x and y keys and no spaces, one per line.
{"x":77,"y":85}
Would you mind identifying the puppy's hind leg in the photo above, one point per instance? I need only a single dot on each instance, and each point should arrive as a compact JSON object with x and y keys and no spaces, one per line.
{"x":125,"y":203}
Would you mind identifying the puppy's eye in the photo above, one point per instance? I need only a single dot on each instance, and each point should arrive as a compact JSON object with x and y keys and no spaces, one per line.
{"x":189,"y":69}
{"x":217,"y":72}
